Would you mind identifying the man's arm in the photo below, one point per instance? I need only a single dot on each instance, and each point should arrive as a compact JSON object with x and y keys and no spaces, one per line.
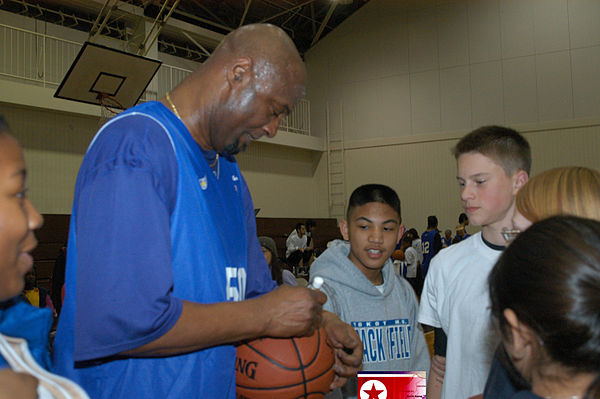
{"x":284,"y":312}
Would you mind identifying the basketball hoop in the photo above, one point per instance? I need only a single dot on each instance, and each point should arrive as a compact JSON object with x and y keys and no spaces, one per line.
{"x":109,"y":107}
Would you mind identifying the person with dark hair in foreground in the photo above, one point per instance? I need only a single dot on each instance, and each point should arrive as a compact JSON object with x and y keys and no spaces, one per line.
{"x":545,"y":297}
{"x":571,"y":190}
{"x":24,"y":329}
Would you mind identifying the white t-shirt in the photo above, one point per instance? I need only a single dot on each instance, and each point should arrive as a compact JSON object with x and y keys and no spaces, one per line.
{"x":411,"y":258}
{"x":455,"y":297}
{"x":418,"y":246}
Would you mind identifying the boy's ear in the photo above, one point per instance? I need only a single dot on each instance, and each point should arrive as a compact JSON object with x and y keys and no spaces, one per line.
{"x":400,"y":231}
{"x":344,"y":229}
{"x":519,"y":179}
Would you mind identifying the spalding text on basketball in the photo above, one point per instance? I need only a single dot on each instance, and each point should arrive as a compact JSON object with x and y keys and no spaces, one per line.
{"x":245,"y":367}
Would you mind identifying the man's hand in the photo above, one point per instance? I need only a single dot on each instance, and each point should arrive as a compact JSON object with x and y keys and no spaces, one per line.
{"x":291,"y":311}
{"x":347,"y":347}
{"x":17,"y":385}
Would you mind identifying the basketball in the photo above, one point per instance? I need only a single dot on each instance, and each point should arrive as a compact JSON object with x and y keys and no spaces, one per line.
{"x":282,"y":368}
{"x":398,"y":255}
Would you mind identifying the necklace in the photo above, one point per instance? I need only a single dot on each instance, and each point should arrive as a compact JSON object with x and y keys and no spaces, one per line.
{"x":172,"y":106}
{"x":174,"y":109}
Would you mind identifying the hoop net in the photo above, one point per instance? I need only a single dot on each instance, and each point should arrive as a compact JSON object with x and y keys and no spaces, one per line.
{"x":109,"y":107}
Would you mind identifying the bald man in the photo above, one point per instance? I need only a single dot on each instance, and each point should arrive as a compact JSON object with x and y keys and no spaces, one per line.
{"x":164,"y":270}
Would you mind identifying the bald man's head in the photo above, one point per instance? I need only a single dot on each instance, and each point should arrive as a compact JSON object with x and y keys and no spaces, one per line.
{"x":273,"y":54}
{"x":253,"y":79}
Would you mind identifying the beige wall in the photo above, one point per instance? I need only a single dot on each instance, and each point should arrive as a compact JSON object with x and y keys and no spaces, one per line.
{"x":412,"y":76}
{"x":282,"y":180}
{"x":405,"y":80}
{"x":424,"y":174}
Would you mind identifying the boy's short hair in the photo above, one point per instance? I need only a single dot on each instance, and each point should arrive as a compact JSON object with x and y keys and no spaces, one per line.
{"x":374,"y":193}
{"x":463,"y":217}
{"x":432,"y":222}
{"x":298,"y":225}
{"x":502,"y":144}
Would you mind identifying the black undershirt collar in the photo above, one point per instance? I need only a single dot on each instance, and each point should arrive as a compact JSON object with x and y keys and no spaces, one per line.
{"x":493,"y":246}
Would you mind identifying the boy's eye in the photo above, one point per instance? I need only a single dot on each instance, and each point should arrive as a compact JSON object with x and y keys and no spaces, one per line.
{"x":480,"y":181}
{"x":363,"y":226}
{"x":22,"y":194}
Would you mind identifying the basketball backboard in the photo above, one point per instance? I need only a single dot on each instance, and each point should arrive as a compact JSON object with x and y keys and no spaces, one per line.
{"x":100,"y":72}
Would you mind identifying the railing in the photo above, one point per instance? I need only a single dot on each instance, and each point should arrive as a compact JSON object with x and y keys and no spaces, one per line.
{"x":43,"y":60}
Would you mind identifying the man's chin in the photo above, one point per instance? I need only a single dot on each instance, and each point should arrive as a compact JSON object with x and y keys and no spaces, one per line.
{"x":234,"y":149}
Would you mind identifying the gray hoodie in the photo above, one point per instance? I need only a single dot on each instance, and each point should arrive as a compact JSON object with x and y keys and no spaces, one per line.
{"x":385,"y":322}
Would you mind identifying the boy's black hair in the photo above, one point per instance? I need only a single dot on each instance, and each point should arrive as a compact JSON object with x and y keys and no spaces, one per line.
{"x":432,"y":222}
{"x":298,"y":225}
{"x":502,"y":144}
{"x":462,"y":217}
{"x":374,"y":193}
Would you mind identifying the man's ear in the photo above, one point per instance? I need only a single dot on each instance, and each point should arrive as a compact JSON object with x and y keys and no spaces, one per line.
{"x":240,"y":72}
{"x":519,"y":179}
{"x":344,"y":229}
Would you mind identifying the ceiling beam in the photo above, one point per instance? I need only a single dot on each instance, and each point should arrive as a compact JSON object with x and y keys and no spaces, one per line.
{"x":245,"y":12}
{"x":324,"y":23}
{"x":292,"y":9}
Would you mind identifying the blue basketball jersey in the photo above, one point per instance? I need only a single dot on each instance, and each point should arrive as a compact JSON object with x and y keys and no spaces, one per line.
{"x":209,"y":264}
{"x":427,"y":240}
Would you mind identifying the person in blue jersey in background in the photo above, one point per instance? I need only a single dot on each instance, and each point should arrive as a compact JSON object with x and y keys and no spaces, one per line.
{"x":431,"y":242}
{"x":163,"y":233}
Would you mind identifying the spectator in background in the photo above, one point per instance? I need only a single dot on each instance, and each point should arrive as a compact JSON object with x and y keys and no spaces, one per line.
{"x":410,"y":267}
{"x":447,"y":239}
{"x":431,"y":242}
{"x":460,"y":235}
{"x":416,"y":243}
{"x":297,"y":248}
{"x":279,"y":273}
{"x":37,"y":296}
{"x":58,"y":278}
{"x":463,"y":220}
{"x":310,"y":229}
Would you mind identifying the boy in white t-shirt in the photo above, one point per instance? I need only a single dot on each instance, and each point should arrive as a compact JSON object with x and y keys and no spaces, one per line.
{"x":493,"y":162}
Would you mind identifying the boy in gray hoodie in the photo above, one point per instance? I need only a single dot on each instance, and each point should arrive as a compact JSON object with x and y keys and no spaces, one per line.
{"x":363,"y":290}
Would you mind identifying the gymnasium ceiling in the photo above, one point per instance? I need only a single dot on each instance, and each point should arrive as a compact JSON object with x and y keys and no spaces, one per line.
{"x":193,"y":27}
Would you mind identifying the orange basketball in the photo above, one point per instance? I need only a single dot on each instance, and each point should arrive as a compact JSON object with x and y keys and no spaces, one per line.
{"x":298,"y":368}
{"x":398,"y":254}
